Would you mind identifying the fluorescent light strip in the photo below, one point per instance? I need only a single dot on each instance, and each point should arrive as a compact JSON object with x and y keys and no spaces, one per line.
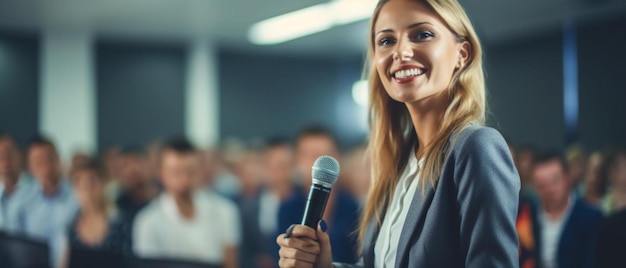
{"x":309,"y":20}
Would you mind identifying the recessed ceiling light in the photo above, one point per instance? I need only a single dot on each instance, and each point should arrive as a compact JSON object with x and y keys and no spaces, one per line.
{"x":309,"y":20}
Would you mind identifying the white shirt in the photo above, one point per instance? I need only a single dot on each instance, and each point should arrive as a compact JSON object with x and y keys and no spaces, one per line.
{"x":160,"y":231}
{"x":268,"y":213}
{"x":386,"y":246}
{"x":551,"y":235}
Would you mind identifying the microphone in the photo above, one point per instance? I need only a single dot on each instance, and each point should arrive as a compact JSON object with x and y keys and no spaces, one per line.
{"x":325,"y":173}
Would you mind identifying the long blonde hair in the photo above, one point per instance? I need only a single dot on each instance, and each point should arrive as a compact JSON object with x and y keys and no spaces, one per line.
{"x":392,"y":134}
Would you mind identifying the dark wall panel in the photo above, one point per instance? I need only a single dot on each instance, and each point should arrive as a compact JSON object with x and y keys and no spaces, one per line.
{"x":19,"y":85}
{"x":140,"y":92}
{"x":525,"y":90}
{"x":262,"y":96}
{"x":602,"y":84}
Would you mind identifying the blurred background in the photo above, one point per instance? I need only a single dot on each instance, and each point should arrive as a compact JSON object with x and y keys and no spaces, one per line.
{"x":92,"y":74}
{"x":99,"y":75}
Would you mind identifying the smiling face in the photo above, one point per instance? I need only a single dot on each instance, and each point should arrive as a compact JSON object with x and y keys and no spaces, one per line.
{"x":415,"y":53}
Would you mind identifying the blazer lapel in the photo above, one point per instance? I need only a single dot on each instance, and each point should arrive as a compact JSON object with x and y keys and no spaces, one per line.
{"x":413,"y":223}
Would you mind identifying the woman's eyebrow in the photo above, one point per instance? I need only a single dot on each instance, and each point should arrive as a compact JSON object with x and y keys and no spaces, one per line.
{"x":408,"y":27}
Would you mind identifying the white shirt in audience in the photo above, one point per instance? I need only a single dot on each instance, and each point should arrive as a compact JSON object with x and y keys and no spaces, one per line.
{"x":551,"y":235}
{"x":160,"y":231}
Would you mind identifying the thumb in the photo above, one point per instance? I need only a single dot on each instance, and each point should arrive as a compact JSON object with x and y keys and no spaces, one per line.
{"x":325,"y":258}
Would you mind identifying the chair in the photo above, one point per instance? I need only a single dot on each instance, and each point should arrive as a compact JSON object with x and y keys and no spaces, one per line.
{"x":166,"y":263}
{"x":79,"y":258}
{"x":21,"y":251}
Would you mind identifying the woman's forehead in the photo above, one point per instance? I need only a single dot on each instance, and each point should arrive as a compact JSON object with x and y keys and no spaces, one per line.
{"x":403,"y":13}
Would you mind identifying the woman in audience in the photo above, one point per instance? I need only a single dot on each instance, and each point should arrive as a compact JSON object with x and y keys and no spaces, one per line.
{"x":595,"y":183}
{"x":95,"y":227}
{"x":615,"y":200}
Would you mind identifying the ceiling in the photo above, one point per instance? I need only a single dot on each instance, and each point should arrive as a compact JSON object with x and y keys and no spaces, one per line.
{"x":225,"y":22}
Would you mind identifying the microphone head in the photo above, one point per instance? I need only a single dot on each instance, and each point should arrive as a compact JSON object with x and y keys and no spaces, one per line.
{"x":325,"y":170}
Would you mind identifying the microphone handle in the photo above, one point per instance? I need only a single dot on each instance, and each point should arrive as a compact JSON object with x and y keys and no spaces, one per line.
{"x":315,"y":205}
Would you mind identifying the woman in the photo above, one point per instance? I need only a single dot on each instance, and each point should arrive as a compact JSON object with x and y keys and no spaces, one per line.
{"x":94,"y":227}
{"x":615,"y":199}
{"x":444,"y":189}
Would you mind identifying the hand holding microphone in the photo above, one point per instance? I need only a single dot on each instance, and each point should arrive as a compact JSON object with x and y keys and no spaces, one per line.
{"x":308,"y":244}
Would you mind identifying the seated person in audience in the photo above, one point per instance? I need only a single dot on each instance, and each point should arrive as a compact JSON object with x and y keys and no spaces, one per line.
{"x":259,"y":212}
{"x":566,"y":227}
{"x":595,"y":181}
{"x":612,"y":241}
{"x":615,"y":200}
{"x":13,"y":185}
{"x":342,"y":209}
{"x":184,"y":222}
{"x":95,"y":227}
{"x":50,"y":206}
{"x":248,"y":169}
{"x":137,"y":189}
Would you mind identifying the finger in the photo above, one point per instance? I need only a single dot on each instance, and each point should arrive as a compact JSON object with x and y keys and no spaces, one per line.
{"x":293,"y":263}
{"x":324,"y":259}
{"x":303,"y":244}
{"x":292,"y":253}
{"x":298,"y":230}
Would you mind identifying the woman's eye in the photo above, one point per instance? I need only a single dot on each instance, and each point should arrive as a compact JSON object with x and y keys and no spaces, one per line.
{"x":424,"y":35}
{"x":386,"y":42}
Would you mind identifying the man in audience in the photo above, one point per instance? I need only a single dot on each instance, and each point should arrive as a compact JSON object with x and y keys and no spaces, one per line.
{"x":136,"y":187}
{"x":524,"y":159}
{"x":611,"y":241}
{"x":51,"y":205}
{"x":342,"y":210}
{"x":566,"y":229}
{"x":13,"y":185}
{"x":259,"y":211}
{"x":184,"y":222}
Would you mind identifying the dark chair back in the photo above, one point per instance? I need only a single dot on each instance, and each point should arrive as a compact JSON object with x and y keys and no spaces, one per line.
{"x":167,"y":263}
{"x":94,"y":258}
{"x":20,"y":251}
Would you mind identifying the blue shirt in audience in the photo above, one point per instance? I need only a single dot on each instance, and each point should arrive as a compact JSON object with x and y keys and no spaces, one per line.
{"x":44,"y":216}
{"x":8,"y":202}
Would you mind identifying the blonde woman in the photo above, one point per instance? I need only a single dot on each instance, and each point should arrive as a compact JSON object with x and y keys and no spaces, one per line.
{"x":444,"y":188}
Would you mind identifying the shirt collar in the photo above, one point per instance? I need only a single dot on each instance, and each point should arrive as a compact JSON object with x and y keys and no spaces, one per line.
{"x":61,"y":192}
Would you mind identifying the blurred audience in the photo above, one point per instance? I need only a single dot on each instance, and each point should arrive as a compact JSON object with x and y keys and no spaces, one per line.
{"x":226,"y":206}
{"x":225,"y":181}
{"x":183,"y":222}
{"x":342,"y":210}
{"x":524,"y":161}
{"x":356,"y":170}
{"x":49,"y":207}
{"x":576,"y":164}
{"x":566,"y":227}
{"x":259,"y":209}
{"x":612,"y":241}
{"x":615,"y":199}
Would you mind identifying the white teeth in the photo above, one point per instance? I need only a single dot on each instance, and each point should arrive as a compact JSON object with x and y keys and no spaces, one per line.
{"x":408,"y":73}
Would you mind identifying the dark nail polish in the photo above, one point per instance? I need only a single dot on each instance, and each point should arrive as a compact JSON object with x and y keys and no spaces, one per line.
{"x":323,"y":225}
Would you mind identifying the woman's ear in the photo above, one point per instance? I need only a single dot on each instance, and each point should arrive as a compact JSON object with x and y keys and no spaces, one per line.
{"x":464,"y":54}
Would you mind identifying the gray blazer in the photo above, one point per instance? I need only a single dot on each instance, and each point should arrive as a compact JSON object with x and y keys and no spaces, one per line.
{"x":468,"y":219}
